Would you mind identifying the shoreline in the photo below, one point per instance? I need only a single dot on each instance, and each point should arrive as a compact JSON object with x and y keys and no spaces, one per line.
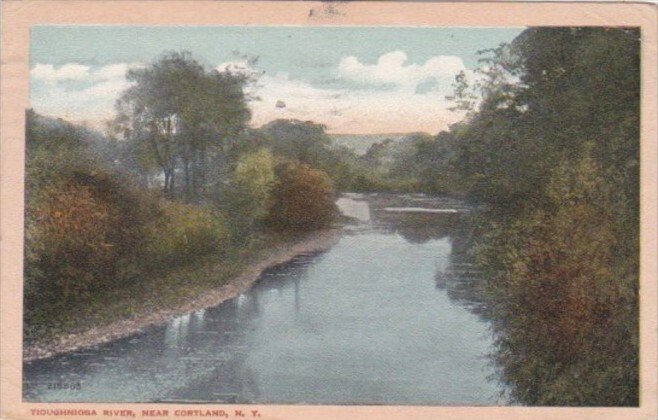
{"x":280,"y":253}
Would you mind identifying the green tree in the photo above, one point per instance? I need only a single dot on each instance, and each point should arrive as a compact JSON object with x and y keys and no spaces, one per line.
{"x":307,"y":142}
{"x":304,"y":141}
{"x":553,"y":151}
{"x":186,"y":115}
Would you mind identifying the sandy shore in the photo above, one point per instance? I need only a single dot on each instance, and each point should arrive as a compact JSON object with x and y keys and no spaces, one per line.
{"x":313,"y":242}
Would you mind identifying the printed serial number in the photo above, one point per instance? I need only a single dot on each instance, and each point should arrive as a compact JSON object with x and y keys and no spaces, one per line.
{"x":65,"y":385}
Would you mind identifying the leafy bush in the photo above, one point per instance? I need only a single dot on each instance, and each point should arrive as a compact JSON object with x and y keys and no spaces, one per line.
{"x":555,"y":159}
{"x":303,"y":199}
{"x":183,"y":232}
{"x":80,"y":235}
{"x":564,"y":296}
{"x":248,"y":195}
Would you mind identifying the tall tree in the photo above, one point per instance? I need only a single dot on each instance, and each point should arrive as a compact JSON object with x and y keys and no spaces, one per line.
{"x":185,"y":114}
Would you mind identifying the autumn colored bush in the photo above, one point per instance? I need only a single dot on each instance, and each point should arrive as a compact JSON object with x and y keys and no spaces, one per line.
{"x":302,"y":199}
{"x":91,"y":234}
{"x":81,"y":238}
{"x":563,"y":295}
{"x":553,"y":163}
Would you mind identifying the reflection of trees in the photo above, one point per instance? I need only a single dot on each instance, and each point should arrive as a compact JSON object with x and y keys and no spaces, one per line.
{"x":462,"y":280}
{"x":283,"y":275}
{"x":227,"y":376}
{"x":418,"y":228}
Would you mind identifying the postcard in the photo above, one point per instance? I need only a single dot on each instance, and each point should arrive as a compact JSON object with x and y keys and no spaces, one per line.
{"x":334,"y":210}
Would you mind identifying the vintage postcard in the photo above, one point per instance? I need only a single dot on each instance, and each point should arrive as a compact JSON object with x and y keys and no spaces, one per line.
{"x":336,"y":210}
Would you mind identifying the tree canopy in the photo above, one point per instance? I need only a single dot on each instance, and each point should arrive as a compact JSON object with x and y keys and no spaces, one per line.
{"x":186,"y":116}
{"x":552,"y":151}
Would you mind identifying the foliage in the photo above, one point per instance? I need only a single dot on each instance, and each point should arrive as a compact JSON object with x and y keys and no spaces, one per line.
{"x":308,"y":143}
{"x":550,"y":93}
{"x":563,"y":301}
{"x":54,"y":148}
{"x":248,"y":195}
{"x":90,"y":231}
{"x":552,"y":151}
{"x":81,"y":236}
{"x":182,"y":233}
{"x":184,"y":116}
{"x":303,"y":141}
{"x":419,"y":162}
{"x":302,"y":199}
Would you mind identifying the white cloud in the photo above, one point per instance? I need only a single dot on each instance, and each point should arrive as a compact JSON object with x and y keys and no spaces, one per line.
{"x":90,"y":98}
{"x":369,"y":110}
{"x":392,"y":69}
{"x":239,"y":66}
{"x":114,"y":71}
{"x":350,"y":111}
{"x":48,"y":72}
{"x":78,"y":92}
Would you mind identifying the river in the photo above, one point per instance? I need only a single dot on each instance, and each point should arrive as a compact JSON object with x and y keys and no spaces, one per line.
{"x":386,"y":316}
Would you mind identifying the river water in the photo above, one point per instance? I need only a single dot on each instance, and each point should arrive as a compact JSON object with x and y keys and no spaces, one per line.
{"x":386,"y":316}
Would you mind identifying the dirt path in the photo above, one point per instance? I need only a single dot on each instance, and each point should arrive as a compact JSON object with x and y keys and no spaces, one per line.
{"x":279,"y":254}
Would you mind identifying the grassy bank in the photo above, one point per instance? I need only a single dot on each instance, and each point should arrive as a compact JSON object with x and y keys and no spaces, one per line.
{"x":150,"y":294}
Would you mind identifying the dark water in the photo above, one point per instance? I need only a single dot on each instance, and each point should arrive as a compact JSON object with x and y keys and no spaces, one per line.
{"x":383,"y":317}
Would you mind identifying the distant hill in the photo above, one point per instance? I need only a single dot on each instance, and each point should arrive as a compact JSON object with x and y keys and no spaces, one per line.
{"x":361,"y":142}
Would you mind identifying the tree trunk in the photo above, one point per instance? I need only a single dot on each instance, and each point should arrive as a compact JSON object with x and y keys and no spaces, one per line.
{"x":166,"y":183}
{"x":172,"y":184}
{"x":188,"y":192}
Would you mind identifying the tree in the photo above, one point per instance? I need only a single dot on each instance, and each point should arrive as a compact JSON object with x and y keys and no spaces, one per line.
{"x":553,"y":152}
{"x":304,"y":141}
{"x":544,"y":96}
{"x":185,"y":114}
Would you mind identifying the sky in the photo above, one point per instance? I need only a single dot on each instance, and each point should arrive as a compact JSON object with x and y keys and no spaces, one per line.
{"x":357,"y":80}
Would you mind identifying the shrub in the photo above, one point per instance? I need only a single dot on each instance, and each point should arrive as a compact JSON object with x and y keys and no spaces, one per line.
{"x":78,"y":235}
{"x":183,"y":232}
{"x":248,"y":195}
{"x":303,"y":199}
{"x":564,"y":296}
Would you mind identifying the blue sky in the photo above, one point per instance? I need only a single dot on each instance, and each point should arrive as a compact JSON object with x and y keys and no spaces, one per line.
{"x":354,"y":79}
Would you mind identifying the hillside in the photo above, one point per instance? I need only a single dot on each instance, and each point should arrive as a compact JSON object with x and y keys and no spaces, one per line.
{"x":361,"y":142}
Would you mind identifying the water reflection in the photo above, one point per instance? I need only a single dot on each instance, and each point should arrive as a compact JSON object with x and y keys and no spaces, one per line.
{"x":380,"y":318}
{"x":420,"y":219}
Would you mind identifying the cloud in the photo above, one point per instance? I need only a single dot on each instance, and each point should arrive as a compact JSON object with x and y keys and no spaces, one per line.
{"x":351,"y":111}
{"x":238,"y":66}
{"x":393,"y":69}
{"x":114,"y":71}
{"x":48,"y":72}
{"x":413,"y":98}
{"x":78,"y":92}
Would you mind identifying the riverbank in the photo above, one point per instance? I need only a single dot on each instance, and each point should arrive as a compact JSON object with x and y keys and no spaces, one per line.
{"x":278,"y":252}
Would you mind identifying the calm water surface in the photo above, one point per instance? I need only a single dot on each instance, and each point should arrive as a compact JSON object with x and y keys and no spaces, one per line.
{"x":383,"y":317}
